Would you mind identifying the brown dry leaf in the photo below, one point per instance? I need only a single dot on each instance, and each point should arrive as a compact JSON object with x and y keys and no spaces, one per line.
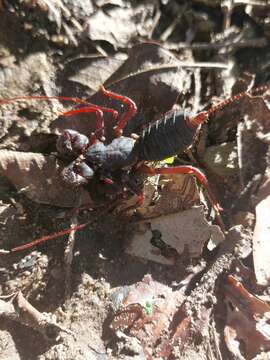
{"x":169,"y":194}
{"x":147,"y":312}
{"x":119,"y":24}
{"x":142,"y":57}
{"x":56,"y":20}
{"x":157,"y":239}
{"x":261,"y":245}
{"x":251,"y":108}
{"x":247,"y":321}
{"x":39,"y":178}
{"x":154,"y":84}
{"x":85,"y":74}
{"x":156,"y":316}
{"x":18,"y":79}
{"x":264,"y":189}
{"x":222,"y":159}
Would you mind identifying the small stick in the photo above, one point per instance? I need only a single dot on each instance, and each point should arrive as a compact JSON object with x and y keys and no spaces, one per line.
{"x":20,"y":310}
{"x":255,"y":42}
{"x":239,"y":137}
{"x":68,"y":256}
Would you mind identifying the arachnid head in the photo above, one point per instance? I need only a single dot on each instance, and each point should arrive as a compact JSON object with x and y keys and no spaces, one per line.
{"x":105,"y":163}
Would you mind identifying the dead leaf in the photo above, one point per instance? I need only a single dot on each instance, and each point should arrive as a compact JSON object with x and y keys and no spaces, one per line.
{"x":156,"y":239}
{"x":261,"y":237}
{"x":18,"y":79}
{"x":146,"y":313}
{"x":116,"y":26}
{"x":222,"y":159}
{"x":84,"y":75}
{"x":142,"y":57}
{"x":169,"y":194}
{"x":39,"y":178}
{"x":154,"y":86}
{"x":247,"y":321}
{"x":119,"y":24}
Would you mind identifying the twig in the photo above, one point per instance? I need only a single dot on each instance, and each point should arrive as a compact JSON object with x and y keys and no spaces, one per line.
{"x":197,"y":90}
{"x":184,"y":64}
{"x":3,"y":251}
{"x":239,"y":137}
{"x":253,"y":2}
{"x":227,"y":7}
{"x":68,"y":256}
{"x":255,"y":42}
{"x":20,"y":310}
{"x":154,"y":24}
{"x":169,"y":30}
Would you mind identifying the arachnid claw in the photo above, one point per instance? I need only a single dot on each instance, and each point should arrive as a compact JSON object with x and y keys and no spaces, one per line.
{"x":71,"y":143}
{"x":77,"y":174}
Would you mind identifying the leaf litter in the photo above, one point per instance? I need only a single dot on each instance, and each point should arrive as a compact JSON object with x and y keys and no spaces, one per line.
{"x":188,"y":273}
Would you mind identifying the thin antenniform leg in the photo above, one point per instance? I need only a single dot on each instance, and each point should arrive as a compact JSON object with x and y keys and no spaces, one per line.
{"x":131,"y":111}
{"x":89,"y":108}
{"x":99,"y":118}
{"x":37,"y":97}
{"x":46,"y":238}
{"x":202,"y":116}
{"x":186,"y":169}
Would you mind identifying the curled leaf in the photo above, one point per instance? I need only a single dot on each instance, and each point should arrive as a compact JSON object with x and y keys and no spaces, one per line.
{"x":261,"y":242}
{"x":151,"y":76}
{"x":39,"y":178}
{"x":247,"y":321}
{"x":155,"y":240}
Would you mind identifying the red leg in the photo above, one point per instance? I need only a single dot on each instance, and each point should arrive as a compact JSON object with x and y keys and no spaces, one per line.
{"x":62,"y":98}
{"x":131,"y":111}
{"x":99,"y":110}
{"x":200,"y":177}
{"x":99,"y":120}
{"x":89,"y":108}
{"x":46,"y":238}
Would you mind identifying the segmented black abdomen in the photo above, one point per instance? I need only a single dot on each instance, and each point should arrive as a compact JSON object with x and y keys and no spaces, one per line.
{"x":167,"y":137}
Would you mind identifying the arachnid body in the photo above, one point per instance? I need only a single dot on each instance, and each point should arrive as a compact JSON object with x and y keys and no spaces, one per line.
{"x":113,"y":167}
{"x":114,"y":164}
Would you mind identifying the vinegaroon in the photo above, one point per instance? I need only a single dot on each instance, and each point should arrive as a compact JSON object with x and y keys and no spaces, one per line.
{"x":114,"y":167}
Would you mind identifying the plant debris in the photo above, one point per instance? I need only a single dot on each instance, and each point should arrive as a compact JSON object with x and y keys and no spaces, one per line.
{"x":154,"y":239}
{"x":17,"y":308}
{"x":39,"y":178}
{"x":247,"y":319}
